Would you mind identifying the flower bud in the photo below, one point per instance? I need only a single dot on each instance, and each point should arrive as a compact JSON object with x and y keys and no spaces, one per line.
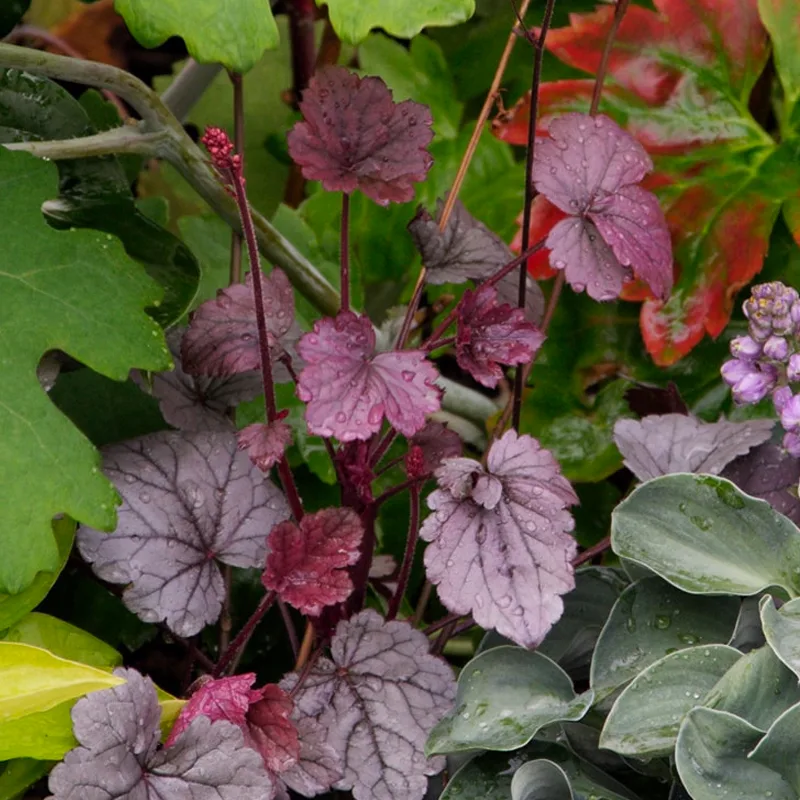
{"x":791,"y":444}
{"x":776,"y":348}
{"x":780,"y":397}
{"x":754,"y":387}
{"x":790,"y":414}
{"x":793,"y":368}
{"x":735,"y":370}
{"x":746,"y":348}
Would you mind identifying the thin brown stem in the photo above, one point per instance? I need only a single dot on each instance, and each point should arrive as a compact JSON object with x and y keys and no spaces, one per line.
{"x":422,"y":603}
{"x":437,"y":648}
{"x":619,"y":12}
{"x":443,"y":623}
{"x":591,"y":552}
{"x":305,"y":647}
{"x":344,"y":253}
{"x":243,"y":637}
{"x":225,"y":623}
{"x":408,"y":556}
{"x":304,"y":52}
{"x":288,"y":623}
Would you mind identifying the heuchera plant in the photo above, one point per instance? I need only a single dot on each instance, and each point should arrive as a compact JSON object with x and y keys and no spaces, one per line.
{"x":657,"y":661}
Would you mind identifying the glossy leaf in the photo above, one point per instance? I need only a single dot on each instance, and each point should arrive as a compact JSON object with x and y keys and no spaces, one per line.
{"x":650,"y":620}
{"x":265,"y":444}
{"x":318,"y":765}
{"x":234,"y":34}
{"x":18,"y":775}
{"x":645,"y":718}
{"x":189,"y":500}
{"x":539,"y":779}
{"x":782,"y":630}
{"x":777,"y":749}
{"x":505,"y":696}
{"x":781,"y":19}
{"x":353,"y":19}
{"x":76,"y":292}
{"x":703,"y":535}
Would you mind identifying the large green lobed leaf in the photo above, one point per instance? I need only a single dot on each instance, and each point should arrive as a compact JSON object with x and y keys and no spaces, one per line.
{"x":74,"y":291}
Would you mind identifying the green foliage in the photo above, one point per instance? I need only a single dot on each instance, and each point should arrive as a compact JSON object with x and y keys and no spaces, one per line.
{"x":233,"y":33}
{"x":11,"y":13}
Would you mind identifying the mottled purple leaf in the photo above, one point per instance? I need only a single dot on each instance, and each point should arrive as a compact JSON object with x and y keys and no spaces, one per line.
{"x":307,"y":563}
{"x":436,"y":443}
{"x":500,"y":544}
{"x":349,"y":388}
{"x":490,"y":334}
{"x":197,"y":402}
{"x":768,"y":472}
{"x":222,"y":338}
{"x":387,"y":693}
{"x":118,"y":756}
{"x":265,"y":443}
{"x":319,"y":765}
{"x":588,"y":168}
{"x":188,"y":501}
{"x":667,"y":443}
{"x":354,"y":136}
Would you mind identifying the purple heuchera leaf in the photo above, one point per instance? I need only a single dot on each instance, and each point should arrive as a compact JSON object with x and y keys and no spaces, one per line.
{"x":196,"y":402}
{"x":386,"y":694}
{"x":307,"y":563}
{"x":436,"y":442}
{"x":263,"y":716}
{"x":500,"y":538}
{"x":222,"y":338}
{"x":771,"y":474}
{"x":349,"y":388}
{"x":118,"y":757}
{"x":490,"y":334}
{"x":265,"y":443}
{"x":188,"y":501}
{"x":354,"y":136}
{"x":589,"y":168}
{"x":666,"y":443}
{"x":318,"y":767}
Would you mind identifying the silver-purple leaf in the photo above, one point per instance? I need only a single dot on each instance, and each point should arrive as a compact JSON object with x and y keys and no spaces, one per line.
{"x":500,"y":544}
{"x":661,"y":444}
{"x":197,"y":402}
{"x":265,"y":443}
{"x":319,"y":765}
{"x":387,"y":694}
{"x":188,"y":501}
{"x":118,"y":756}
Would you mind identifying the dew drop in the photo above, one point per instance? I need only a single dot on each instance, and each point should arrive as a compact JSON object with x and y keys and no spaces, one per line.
{"x":505,"y":601}
{"x":341,"y":417}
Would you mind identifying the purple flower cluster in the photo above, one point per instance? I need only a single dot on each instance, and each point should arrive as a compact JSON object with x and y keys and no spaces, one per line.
{"x":766,"y":360}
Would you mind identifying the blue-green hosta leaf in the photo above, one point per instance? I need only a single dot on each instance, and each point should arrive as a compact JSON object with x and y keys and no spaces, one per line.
{"x":505,"y":695}
{"x":540,"y":779}
{"x":711,"y":756}
{"x":705,"y":536}
{"x":778,"y":749}
{"x":645,"y":718}
{"x":650,"y":620}
{"x":782,"y":630}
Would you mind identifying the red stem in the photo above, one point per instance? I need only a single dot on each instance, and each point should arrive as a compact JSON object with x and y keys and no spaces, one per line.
{"x":345,"y":253}
{"x":400,"y":487}
{"x":590,"y":552}
{"x":243,"y":637}
{"x":408,"y":556}
{"x":238,"y":142}
{"x":619,"y":12}
{"x":304,"y":51}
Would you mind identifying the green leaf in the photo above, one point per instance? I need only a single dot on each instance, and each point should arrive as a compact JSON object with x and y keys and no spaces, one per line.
{"x":77,"y":292}
{"x":233,"y":33}
{"x":14,"y":607}
{"x":645,"y":718}
{"x":778,"y":749}
{"x":41,"y":735}
{"x":703,"y":535}
{"x":354,"y":19}
{"x":505,"y":695}
{"x":540,"y":780}
{"x":19,"y":774}
{"x":782,"y":19}
{"x":650,"y":620}
{"x":33,"y":680}
{"x":758,"y":689}
{"x":782,"y":630}
{"x":711,"y":756}
{"x":486,"y":777}
{"x":419,"y":72}
{"x":11,"y":13}
{"x":63,"y":640}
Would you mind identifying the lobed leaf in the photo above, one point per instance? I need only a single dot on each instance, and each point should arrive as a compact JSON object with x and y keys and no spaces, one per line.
{"x":265,"y":443}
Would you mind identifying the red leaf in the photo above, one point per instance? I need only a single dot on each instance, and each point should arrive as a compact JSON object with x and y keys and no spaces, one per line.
{"x":265,"y":444}
{"x":307,"y":564}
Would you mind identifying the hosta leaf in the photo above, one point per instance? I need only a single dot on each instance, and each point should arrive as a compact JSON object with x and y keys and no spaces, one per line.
{"x":645,"y":718}
{"x":782,"y":630}
{"x":118,"y":732}
{"x":234,"y":33}
{"x":353,"y":19}
{"x":778,"y":749}
{"x":505,"y":696}
{"x":758,"y":688}
{"x":650,"y":620}
{"x":76,"y":292}
{"x":379,"y":697}
{"x":189,"y":500}
{"x":703,"y":535}
{"x":540,"y":779}
{"x":711,"y":757}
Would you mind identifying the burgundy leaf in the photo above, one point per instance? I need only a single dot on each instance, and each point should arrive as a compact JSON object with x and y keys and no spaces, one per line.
{"x":436,"y":443}
{"x":644,"y":400}
{"x":387,"y":693}
{"x":118,"y":756}
{"x":490,"y":334}
{"x":768,"y":472}
{"x":500,"y":542}
{"x":307,"y":563}
{"x":354,"y":136}
{"x":196,"y":402}
{"x":188,"y":501}
{"x":222,"y":338}
{"x":662,"y":444}
{"x":349,"y":388}
{"x":588,"y":168}
{"x":265,"y":443}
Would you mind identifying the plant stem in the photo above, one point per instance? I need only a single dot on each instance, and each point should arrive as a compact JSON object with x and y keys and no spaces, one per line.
{"x":243,"y":637}
{"x":441,"y":640}
{"x":304,"y":51}
{"x":127,"y":140}
{"x":288,"y":623}
{"x":235,"y":275}
{"x":397,"y":489}
{"x":188,"y":86}
{"x":619,"y":12}
{"x":590,"y":552}
{"x":408,"y":556}
{"x":344,"y":288}
{"x":422,"y":603}
{"x":305,"y":648}
{"x":536,"y":77}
